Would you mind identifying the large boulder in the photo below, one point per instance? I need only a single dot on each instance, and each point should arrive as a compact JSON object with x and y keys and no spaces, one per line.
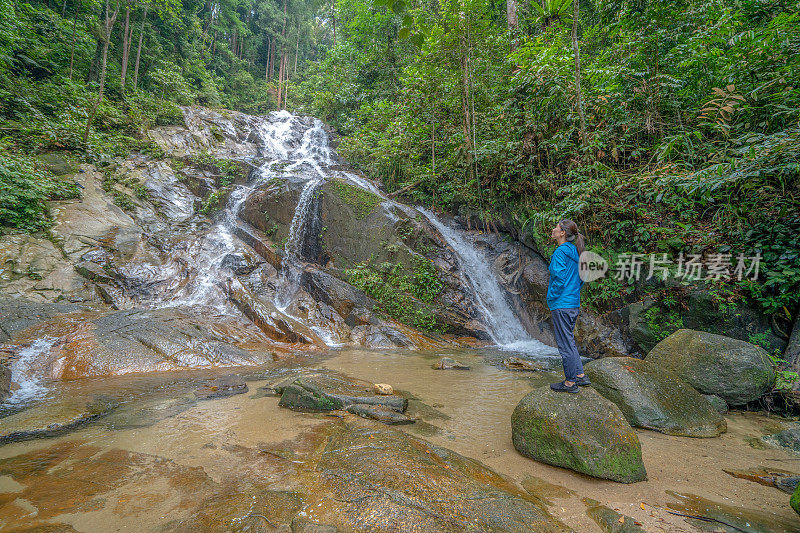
{"x":652,"y":397}
{"x":583,"y":432}
{"x":735,"y":370}
{"x":649,"y":321}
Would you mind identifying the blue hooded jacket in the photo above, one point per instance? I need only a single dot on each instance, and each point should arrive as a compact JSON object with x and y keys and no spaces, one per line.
{"x":564,"y":290}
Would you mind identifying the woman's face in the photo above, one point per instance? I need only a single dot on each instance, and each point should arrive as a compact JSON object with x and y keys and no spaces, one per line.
{"x":558,"y":233}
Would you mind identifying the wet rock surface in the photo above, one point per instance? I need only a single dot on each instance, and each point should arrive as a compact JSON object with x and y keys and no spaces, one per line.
{"x":652,"y":397}
{"x":448,"y":363}
{"x":132,"y":341}
{"x":349,"y":475}
{"x":329,"y":393}
{"x":788,"y":439}
{"x":17,"y":314}
{"x":609,"y":520}
{"x":710,"y":514}
{"x":735,"y":370}
{"x":222,"y":388}
{"x":583,"y":432}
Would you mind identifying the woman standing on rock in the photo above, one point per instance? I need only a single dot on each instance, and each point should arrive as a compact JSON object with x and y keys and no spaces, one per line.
{"x":564,"y":301}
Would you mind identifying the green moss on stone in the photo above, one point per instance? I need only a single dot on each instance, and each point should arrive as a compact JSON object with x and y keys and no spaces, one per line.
{"x":361,"y":201}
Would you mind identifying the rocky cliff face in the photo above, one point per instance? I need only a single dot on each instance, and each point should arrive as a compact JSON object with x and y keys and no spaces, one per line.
{"x":198,"y":235}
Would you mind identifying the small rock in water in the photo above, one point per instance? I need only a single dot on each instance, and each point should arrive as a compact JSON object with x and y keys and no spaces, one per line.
{"x":515,"y":363}
{"x":383,"y":389}
{"x":222,"y":388}
{"x":447,"y":363}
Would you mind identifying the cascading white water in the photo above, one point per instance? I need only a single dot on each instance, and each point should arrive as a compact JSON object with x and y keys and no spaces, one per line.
{"x":502,"y":323}
{"x":294,"y":244}
{"x":297,"y":148}
{"x":25,"y":376}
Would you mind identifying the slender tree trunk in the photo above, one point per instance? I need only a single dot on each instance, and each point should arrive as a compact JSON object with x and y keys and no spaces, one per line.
{"x":273,"y":46}
{"x":126,"y":46}
{"x":269,"y":50}
{"x":511,"y":17}
{"x":64,"y":9}
{"x":296,"y":50}
{"x":333,"y":20}
{"x":280,"y":81}
{"x":579,"y":102}
{"x":139,"y":48}
{"x":110,"y":19}
{"x":282,"y":68}
{"x":465,"y":109}
{"x":72,"y":46}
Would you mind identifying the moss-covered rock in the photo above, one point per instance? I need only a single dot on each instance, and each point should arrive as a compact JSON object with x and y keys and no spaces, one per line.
{"x":652,"y":397}
{"x":735,"y":370}
{"x":583,"y":432}
{"x":794,"y":501}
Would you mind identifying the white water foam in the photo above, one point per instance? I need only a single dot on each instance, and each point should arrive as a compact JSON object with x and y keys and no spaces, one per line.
{"x":502,"y":323}
{"x":25,"y":375}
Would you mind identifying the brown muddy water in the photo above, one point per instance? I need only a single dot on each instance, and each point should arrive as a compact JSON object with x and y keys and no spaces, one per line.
{"x":148,"y":456}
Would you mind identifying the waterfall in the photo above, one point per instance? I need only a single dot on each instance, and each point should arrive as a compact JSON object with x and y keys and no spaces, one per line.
{"x":299,"y":230}
{"x":298,"y":149}
{"x":502,"y":323}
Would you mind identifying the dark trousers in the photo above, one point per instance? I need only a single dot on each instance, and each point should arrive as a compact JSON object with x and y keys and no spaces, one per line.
{"x":563,"y":326}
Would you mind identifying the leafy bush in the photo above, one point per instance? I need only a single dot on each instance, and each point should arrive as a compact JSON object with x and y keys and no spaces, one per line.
{"x":25,"y":185}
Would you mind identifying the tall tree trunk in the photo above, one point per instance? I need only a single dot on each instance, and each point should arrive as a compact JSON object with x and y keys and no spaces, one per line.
{"x":126,"y":46}
{"x":333,"y":20}
{"x":282,"y":68}
{"x":269,"y":51}
{"x":110,"y":19}
{"x":280,"y":81}
{"x":139,"y":48}
{"x":466,"y":121}
{"x":579,"y":102}
{"x":72,"y":46}
{"x":511,"y":17}
{"x":273,"y":46}
{"x":296,"y":50}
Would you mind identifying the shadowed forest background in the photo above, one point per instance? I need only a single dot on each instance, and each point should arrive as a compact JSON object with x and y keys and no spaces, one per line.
{"x":676,"y":131}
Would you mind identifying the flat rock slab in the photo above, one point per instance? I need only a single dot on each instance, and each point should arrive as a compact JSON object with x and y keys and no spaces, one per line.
{"x":583,"y":432}
{"x":652,"y":397}
{"x":385,"y":480}
{"x":222,"y":388}
{"x":17,"y":314}
{"x":735,"y":370}
{"x":41,"y":423}
{"x":737,"y":519}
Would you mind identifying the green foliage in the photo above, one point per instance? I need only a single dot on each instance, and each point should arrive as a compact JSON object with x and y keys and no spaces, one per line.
{"x":400,"y":292}
{"x":229,"y":170}
{"x":25,"y":186}
{"x":213,"y":202}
